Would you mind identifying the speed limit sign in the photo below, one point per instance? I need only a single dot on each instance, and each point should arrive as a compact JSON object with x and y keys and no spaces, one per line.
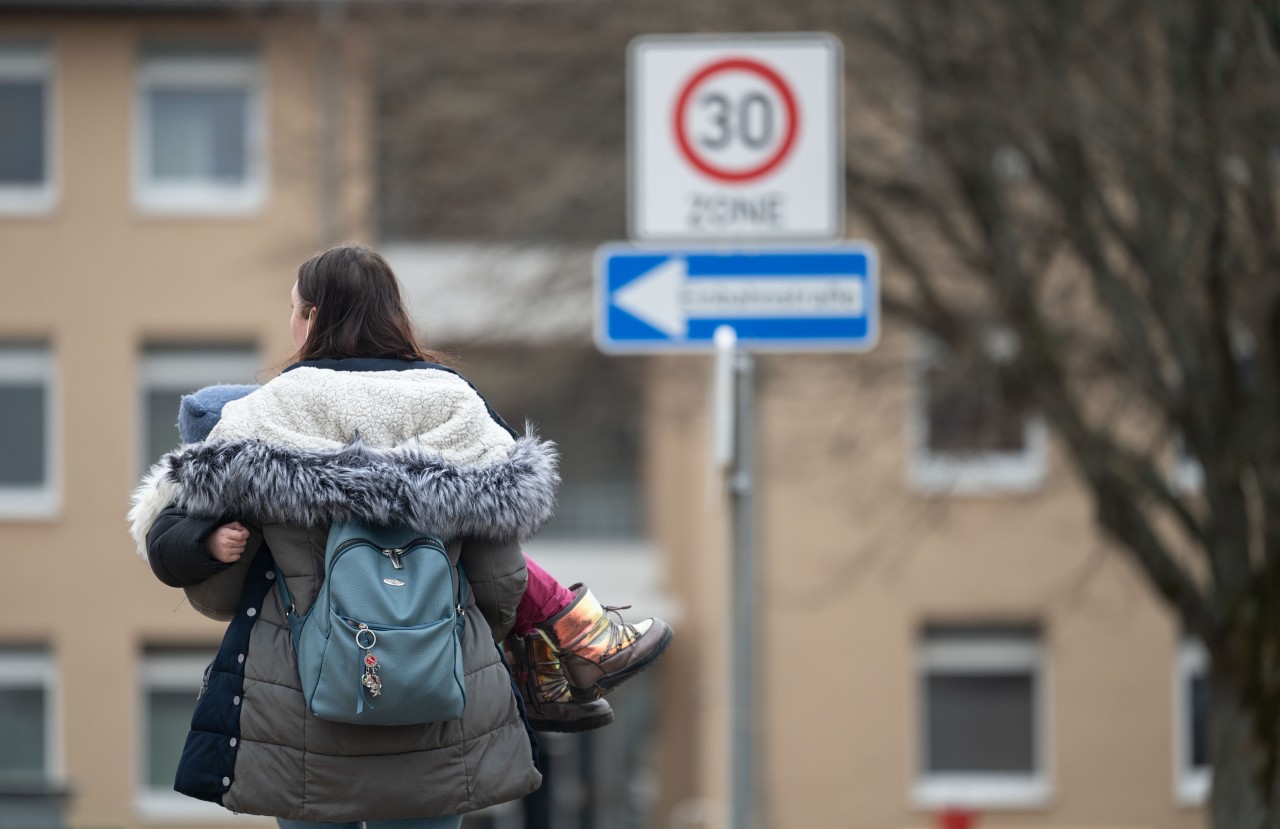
{"x":736,"y":137}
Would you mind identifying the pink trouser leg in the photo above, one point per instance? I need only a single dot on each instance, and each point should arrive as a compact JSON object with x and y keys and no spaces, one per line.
{"x":543,"y":598}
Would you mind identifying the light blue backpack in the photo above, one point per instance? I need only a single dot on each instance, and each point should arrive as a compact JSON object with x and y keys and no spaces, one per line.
{"x":382,"y":644}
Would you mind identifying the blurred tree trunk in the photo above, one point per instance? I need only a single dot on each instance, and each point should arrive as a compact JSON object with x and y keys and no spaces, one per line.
{"x":1100,"y":180}
{"x":1239,"y":797}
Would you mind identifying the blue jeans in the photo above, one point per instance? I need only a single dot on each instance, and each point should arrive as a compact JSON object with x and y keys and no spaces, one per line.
{"x":446,"y":822}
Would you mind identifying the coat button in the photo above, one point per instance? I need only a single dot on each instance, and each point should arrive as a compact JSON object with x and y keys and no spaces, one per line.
{"x":253,"y":611}
{"x":233,"y":742}
{"x":235,"y":700}
{"x":271,"y":575}
{"x":240,"y":659}
{"x":226,"y":781}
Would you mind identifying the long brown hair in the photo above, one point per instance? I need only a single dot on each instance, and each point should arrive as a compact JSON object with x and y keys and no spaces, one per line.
{"x":357,"y":308}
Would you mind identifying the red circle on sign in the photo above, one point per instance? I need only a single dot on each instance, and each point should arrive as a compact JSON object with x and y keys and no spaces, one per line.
{"x":774,"y":80}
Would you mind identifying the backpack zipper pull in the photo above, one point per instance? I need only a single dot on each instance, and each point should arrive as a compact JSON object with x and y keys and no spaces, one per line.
{"x":394,"y":554}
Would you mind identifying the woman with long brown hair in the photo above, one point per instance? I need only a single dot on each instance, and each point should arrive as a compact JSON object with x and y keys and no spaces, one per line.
{"x":367,"y":426}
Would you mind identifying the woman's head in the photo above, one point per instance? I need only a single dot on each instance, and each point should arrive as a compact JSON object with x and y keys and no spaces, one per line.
{"x":347,"y":303}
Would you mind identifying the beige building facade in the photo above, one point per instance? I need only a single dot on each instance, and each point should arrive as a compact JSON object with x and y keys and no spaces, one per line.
{"x":964,"y":642}
{"x":938,"y":624}
{"x":162,"y":191}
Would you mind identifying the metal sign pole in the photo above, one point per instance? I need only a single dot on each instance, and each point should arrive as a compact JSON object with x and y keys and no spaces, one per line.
{"x":738,"y":431}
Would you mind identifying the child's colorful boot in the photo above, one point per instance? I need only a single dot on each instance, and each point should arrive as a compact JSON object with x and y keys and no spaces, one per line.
{"x":596,"y":653}
{"x":548,"y":702}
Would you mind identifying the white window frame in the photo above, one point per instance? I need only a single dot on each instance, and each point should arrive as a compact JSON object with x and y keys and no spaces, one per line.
{"x":988,"y":654}
{"x":185,"y":368}
{"x":23,"y":60}
{"x":975,"y":473}
{"x":21,"y":364}
{"x":1191,"y":784}
{"x":200,"y":198}
{"x":1186,"y":475}
{"x":175,"y":671}
{"x":18,"y":667}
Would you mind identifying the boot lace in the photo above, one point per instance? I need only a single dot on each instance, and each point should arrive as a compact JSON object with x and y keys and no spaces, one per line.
{"x":621,"y":633}
{"x":549,"y":681}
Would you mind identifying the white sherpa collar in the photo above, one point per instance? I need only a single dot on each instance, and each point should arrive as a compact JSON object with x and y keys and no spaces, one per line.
{"x":316,"y":445}
{"x":319,"y":409}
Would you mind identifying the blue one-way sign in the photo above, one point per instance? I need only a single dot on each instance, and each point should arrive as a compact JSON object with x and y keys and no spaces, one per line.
{"x":785,"y":299}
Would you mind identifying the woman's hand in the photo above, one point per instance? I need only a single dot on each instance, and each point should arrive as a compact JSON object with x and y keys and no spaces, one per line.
{"x":226,"y":544}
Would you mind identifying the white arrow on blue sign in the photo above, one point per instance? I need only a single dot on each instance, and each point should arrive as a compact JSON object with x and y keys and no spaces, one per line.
{"x":785,"y":299}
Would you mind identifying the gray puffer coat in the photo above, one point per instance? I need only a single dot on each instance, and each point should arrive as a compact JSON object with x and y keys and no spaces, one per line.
{"x":384,"y":442}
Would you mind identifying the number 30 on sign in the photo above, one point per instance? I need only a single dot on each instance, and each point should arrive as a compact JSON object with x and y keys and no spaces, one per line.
{"x":734,"y":138}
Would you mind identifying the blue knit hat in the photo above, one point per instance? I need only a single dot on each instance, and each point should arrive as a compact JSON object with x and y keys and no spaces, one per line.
{"x":200,"y":411}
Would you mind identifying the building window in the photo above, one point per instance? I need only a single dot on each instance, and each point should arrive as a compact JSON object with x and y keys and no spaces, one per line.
{"x":200,"y":142}
{"x":982,"y":719}
{"x":28,"y":736}
{"x":967,"y":434}
{"x":170,"y":682}
{"x":28,"y":457}
{"x":26,"y":127}
{"x":169,"y":372}
{"x":1191,"y":724}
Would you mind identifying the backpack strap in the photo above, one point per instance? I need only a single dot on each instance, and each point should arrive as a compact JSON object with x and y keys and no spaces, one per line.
{"x":462,"y":591}
{"x":286,"y":600}
{"x":290,"y":610}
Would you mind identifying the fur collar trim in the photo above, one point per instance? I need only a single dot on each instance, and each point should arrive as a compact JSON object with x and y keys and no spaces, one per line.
{"x":512,"y":497}
{"x":317,"y":445}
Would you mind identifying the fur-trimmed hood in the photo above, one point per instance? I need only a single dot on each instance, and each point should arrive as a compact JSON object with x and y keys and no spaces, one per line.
{"x":317,"y":445}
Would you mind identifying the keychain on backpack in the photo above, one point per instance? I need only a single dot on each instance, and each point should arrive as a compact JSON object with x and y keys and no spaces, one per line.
{"x":370,"y":680}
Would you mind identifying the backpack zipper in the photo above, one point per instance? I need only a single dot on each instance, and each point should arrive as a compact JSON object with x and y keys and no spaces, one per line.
{"x":393,"y":553}
{"x":455,"y":575}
